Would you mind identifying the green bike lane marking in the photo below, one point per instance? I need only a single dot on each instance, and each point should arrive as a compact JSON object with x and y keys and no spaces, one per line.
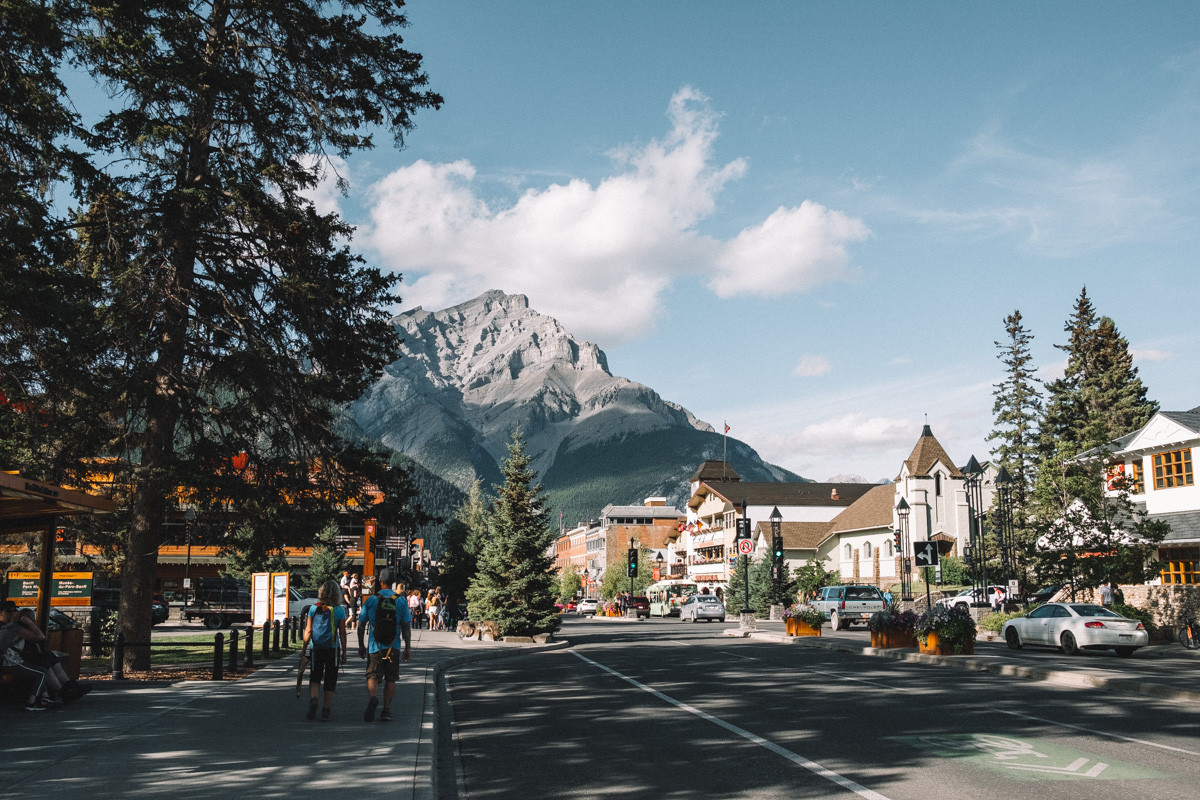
{"x":1026,"y":759}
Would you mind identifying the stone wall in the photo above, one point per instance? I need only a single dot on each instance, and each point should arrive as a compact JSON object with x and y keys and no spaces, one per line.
{"x":1167,"y":604}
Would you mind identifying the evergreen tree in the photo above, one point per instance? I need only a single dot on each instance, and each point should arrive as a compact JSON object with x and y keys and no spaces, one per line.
{"x":1113,"y":393}
{"x":463,"y":540}
{"x":328,"y":561}
{"x":514,"y":584}
{"x":1017,"y":407}
{"x":765,"y":592}
{"x":813,"y":576}
{"x":238,"y":315}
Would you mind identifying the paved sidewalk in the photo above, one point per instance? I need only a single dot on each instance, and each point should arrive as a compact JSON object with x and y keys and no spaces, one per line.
{"x":1156,"y":671}
{"x":245,"y":738}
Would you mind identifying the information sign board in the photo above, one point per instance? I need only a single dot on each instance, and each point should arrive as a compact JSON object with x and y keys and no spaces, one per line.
{"x":66,"y":588}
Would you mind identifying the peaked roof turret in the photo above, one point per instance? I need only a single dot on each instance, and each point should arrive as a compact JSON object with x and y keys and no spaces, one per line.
{"x":716,"y":471}
{"x":928,"y":452}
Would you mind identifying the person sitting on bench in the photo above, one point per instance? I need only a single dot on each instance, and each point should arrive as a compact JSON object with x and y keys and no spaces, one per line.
{"x":36,"y":654}
{"x":13,"y":632}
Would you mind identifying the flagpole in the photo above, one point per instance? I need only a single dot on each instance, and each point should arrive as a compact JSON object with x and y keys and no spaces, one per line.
{"x":724,"y":456}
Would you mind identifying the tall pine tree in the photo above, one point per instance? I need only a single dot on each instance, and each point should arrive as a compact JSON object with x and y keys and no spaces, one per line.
{"x":240,"y":318}
{"x":462,"y":541}
{"x":1017,"y":407}
{"x":515,"y":581}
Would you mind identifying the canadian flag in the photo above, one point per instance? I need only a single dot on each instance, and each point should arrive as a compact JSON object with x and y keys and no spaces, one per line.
{"x":727,"y":427}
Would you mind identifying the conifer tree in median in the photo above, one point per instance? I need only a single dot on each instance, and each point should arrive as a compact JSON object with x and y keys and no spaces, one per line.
{"x":514,"y":584}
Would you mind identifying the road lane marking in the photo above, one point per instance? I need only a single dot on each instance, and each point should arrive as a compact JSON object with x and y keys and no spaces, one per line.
{"x":795,"y":758}
{"x":735,"y":655}
{"x":676,"y":641}
{"x":848,"y":678}
{"x":1096,"y":732}
{"x":1025,"y":759}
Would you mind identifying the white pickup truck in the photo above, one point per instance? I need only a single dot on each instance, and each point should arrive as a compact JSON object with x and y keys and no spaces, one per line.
{"x":845,"y":605}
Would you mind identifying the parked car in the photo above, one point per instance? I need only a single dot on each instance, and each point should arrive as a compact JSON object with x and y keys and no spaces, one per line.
{"x":299,"y":600}
{"x":159,"y":609}
{"x":845,"y":605}
{"x":1075,"y":627}
{"x":640,"y":605}
{"x":1044,"y":594}
{"x":570,"y":606}
{"x":701,"y":606}
{"x":588,"y":606}
{"x":969,"y":597}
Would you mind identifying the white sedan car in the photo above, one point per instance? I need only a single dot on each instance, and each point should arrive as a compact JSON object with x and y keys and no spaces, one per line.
{"x":1076,"y":626}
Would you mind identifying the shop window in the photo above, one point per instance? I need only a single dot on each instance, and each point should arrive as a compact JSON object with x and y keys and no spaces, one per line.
{"x":1179,"y":564}
{"x":1173,"y":469}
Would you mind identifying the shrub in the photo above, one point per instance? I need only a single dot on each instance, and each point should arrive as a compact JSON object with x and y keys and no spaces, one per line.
{"x":995,"y":622}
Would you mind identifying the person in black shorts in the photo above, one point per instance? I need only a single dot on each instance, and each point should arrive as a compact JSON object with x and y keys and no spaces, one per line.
{"x":381,"y":610}
{"x":326,"y":631}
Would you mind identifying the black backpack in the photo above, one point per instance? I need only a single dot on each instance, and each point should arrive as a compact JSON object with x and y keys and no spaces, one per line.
{"x":385,"y":624}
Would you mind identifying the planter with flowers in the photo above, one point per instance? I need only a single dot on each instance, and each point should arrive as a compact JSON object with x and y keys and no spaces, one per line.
{"x":891,"y":628}
{"x":943,"y":631}
{"x":802,"y":619}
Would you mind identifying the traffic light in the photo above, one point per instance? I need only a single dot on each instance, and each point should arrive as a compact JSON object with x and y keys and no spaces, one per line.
{"x":896,"y":541}
{"x":777,"y":549}
{"x":633,"y":562}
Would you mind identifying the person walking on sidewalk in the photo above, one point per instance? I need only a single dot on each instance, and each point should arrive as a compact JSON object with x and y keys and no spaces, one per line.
{"x":390,"y":621}
{"x":325,"y":630}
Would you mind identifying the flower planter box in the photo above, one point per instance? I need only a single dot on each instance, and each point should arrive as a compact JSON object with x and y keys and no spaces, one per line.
{"x":890,"y":638}
{"x":933,"y":647}
{"x":796,"y":627}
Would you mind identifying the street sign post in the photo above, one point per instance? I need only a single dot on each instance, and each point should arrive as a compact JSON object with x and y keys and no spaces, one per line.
{"x":925,"y":554}
{"x":745,"y":546}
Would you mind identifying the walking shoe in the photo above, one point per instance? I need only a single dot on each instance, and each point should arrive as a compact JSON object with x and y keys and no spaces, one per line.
{"x":52,"y":702}
{"x":369,"y":714}
{"x":35,"y":707}
{"x":385,"y":715}
{"x":324,"y":715}
{"x":312,"y":709}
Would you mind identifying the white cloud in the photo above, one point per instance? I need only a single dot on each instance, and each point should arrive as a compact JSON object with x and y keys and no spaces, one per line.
{"x":812,"y":366}
{"x":598,"y":257}
{"x":1149,"y":354}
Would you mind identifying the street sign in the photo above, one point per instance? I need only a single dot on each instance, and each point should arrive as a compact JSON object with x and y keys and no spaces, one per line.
{"x":925,"y":554}
{"x":1013,"y":586}
{"x":746,"y":546}
{"x":743,"y":528}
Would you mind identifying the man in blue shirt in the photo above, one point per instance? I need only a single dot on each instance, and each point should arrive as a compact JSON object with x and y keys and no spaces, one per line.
{"x":384,"y":609}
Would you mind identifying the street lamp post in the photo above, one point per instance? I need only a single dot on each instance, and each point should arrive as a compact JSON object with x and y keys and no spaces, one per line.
{"x":902,"y":511}
{"x":189,"y":517}
{"x":973,"y":473}
{"x":1007,"y":537}
{"x":659,"y":558}
{"x":776,"y":553}
{"x":746,"y":561}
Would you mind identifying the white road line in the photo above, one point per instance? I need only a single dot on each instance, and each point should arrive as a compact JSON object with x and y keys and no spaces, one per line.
{"x":1093,"y":731}
{"x":735,"y":655}
{"x":676,"y":641}
{"x":795,"y":758}
{"x":848,"y":678}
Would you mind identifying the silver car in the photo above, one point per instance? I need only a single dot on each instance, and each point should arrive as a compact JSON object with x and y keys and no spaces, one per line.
{"x":1075,"y":627}
{"x":702,"y":606}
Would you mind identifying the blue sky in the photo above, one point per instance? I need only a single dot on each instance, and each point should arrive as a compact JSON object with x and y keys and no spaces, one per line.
{"x":808,"y":220}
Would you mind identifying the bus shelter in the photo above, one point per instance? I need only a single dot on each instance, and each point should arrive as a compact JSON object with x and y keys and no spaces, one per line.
{"x":29,"y":506}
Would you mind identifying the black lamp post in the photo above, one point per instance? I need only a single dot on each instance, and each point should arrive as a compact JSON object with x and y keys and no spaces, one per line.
{"x":902,"y":511}
{"x":1007,"y":537}
{"x":659,"y":558}
{"x":189,"y":517}
{"x":777,"y":558}
{"x":745,"y":521}
{"x":977,"y":555}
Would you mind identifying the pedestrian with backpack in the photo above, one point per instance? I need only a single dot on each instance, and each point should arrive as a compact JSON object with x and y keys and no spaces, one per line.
{"x":386,"y":614}
{"x":325,"y":630}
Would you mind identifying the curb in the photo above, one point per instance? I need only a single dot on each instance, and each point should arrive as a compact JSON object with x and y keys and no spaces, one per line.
{"x":426,"y":782}
{"x":967,"y":664}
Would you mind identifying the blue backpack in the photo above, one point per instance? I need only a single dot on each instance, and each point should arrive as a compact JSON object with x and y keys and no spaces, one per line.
{"x":322,"y":627}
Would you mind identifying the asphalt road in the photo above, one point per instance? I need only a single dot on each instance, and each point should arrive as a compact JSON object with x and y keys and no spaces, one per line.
{"x":662,"y":710}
